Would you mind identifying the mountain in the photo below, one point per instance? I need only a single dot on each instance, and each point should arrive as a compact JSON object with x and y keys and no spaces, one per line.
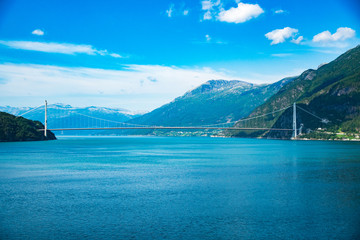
{"x":66,"y":116}
{"x":332,"y":93}
{"x":216,"y":101}
{"x":14,"y":128}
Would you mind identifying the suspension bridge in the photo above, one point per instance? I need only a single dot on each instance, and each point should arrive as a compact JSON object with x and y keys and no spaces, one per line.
{"x":87,"y":122}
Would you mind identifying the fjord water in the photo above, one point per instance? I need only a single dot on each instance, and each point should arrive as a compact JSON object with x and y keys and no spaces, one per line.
{"x":179,"y":188}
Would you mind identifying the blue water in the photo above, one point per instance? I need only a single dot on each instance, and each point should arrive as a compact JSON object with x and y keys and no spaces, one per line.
{"x":179,"y":188}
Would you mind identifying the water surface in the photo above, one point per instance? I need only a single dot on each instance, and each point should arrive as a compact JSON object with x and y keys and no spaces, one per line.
{"x":179,"y":188}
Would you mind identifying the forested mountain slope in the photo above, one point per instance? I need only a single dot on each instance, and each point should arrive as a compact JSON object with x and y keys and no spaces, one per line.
{"x":331,"y":92}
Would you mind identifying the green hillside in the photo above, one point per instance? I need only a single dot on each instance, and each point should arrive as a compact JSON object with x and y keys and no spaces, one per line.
{"x":14,"y":128}
{"x":331,"y":92}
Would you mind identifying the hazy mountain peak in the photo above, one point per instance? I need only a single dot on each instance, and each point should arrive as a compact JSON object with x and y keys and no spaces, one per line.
{"x":212,"y":86}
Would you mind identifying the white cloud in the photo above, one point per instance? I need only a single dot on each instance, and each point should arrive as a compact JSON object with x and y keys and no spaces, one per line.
{"x":280,"y":35}
{"x":52,"y":47}
{"x":170,"y":11}
{"x":242,"y":13}
{"x":281,"y":55}
{"x":179,"y":11}
{"x":211,"y":8}
{"x":208,"y":38}
{"x":297,"y":40}
{"x":208,"y":4}
{"x":341,"y":34}
{"x":115,"y":55}
{"x":279,"y":11}
{"x":330,"y":51}
{"x":38,"y":32}
{"x":136,"y":87}
{"x":207,"y":15}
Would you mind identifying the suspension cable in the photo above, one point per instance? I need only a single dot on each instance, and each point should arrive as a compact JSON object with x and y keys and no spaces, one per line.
{"x":216,"y":124}
{"x":322,"y":119}
{"x":245,"y":119}
{"x":209,"y":125}
{"x":110,"y":120}
{"x":282,"y":109}
{"x":30,"y":111}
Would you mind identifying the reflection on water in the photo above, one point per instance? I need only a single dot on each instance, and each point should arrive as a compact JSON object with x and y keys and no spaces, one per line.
{"x":179,"y":188}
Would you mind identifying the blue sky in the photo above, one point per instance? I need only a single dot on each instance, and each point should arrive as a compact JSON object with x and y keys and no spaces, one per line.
{"x":142,"y":54}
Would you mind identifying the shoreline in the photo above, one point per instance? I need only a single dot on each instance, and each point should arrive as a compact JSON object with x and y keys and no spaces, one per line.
{"x":214,"y":136}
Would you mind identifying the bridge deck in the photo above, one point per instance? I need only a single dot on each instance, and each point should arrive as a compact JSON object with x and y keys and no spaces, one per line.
{"x":166,"y":128}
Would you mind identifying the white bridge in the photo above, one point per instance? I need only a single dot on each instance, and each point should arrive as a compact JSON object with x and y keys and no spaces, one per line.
{"x":96,"y":123}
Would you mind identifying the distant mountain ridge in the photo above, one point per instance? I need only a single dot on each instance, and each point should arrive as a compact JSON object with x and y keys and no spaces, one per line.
{"x":216,"y":101}
{"x":20,"y":110}
{"x":332,"y":92}
{"x":216,"y":86}
{"x":61,"y":115}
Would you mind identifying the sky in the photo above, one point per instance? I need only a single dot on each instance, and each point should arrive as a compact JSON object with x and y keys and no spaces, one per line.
{"x":139,"y":55}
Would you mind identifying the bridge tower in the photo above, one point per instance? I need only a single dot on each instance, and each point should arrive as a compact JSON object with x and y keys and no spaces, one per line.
{"x":294,"y":120}
{"x":45,"y":130}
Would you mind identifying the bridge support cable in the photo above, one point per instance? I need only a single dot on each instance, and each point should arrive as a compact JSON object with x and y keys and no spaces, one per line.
{"x":101,"y":122}
{"x":263,"y":115}
{"x":324,"y":120}
{"x":30,"y":111}
{"x":96,"y":123}
{"x":252,"y":121}
{"x":245,"y":119}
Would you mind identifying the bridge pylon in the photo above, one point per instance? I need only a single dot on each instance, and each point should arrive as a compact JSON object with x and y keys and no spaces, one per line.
{"x":45,"y":122}
{"x":294,"y":121}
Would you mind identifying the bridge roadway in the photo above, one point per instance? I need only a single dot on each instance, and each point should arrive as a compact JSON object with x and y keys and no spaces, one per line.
{"x":166,"y":128}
